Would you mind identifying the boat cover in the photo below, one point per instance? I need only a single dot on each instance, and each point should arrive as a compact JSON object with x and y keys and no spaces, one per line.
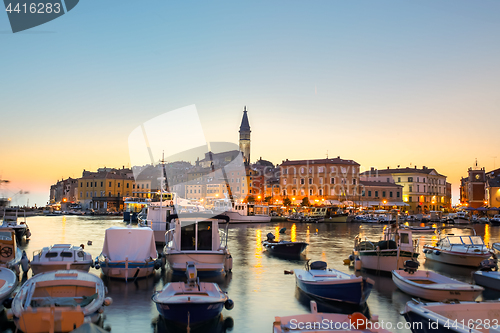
{"x":136,"y":244}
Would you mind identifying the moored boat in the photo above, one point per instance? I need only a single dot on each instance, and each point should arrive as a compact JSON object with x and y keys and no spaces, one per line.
{"x":58,"y":301}
{"x":10,"y":254}
{"x":283,"y":247}
{"x":128,"y":253}
{"x":495,"y":220}
{"x":396,"y":247}
{"x":8,"y":282}
{"x":10,"y":220}
{"x":458,"y":250}
{"x":193,"y":301}
{"x":433,"y":286}
{"x":242,"y":212}
{"x":415,"y":229}
{"x":452,"y":316}
{"x":198,"y":238}
{"x":326,"y":323}
{"x":330,"y":284}
{"x":60,"y":257}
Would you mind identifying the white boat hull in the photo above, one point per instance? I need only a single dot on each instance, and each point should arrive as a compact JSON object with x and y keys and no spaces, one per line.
{"x":235,"y":217}
{"x":128,"y":271}
{"x":434,"y":287}
{"x":455,"y":258}
{"x":38,"y":268}
{"x":8,"y":282}
{"x":205,"y":262}
{"x":387,"y":261}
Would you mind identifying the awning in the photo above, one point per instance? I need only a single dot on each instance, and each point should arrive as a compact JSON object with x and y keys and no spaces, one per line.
{"x":379,"y":203}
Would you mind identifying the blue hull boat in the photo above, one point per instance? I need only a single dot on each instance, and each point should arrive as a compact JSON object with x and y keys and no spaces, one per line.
{"x":197,"y":312}
{"x":333,"y":285}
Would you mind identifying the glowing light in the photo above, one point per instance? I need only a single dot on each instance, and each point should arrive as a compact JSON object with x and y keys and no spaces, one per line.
{"x":293,"y":233}
{"x":277,"y":233}
{"x":293,"y":199}
{"x":259,"y":197}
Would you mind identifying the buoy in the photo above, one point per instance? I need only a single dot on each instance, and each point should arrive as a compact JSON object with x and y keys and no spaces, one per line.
{"x":358,"y":320}
{"x":89,"y":242}
{"x":357,"y":264}
{"x":229,"y":304}
{"x":288,"y":272}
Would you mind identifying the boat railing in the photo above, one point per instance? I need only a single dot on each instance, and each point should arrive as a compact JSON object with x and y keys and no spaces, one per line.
{"x":169,"y":239}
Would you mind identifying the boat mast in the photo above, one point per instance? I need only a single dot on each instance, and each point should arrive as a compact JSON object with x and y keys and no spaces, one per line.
{"x":224,"y":175}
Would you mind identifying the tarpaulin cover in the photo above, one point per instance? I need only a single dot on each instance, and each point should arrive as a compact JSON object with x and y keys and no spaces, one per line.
{"x":136,"y":244}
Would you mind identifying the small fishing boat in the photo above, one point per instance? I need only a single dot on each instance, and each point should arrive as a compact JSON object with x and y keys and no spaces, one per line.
{"x":433,"y":286}
{"x":318,"y":280}
{"x":193,"y":301}
{"x":452,"y":316}
{"x":58,"y":301}
{"x":495,"y":220}
{"x":8,"y":282}
{"x":197,"y":237}
{"x":10,"y":220}
{"x":60,"y":257}
{"x":488,"y":279}
{"x":128,"y":253}
{"x":316,"y":322}
{"x":283,"y":247}
{"x":10,"y":254}
{"x":388,"y":254}
{"x":458,"y":250}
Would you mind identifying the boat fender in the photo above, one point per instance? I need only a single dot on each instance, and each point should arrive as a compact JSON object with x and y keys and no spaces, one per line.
{"x":282,"y":230}
{"x":357,"y":264}
{"x":358,"y":320}
{"x":157,"y":264}
{"x":229,"y":304}
{"x":437,"y":252}
{"x":424,"y":251}
{"x":97,"y":266}
{"x":229,"y":263}
{"x":270,"y":237}
{"x":108,"y":301}
{"x":25,"y":262}
{"x":228,"y":322}
{"x":351,"y":257}
{"x":288,"y":272}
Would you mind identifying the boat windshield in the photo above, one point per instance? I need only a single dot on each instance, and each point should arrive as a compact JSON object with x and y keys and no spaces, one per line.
{"x":466,"y":240}
{"x":196,"y":236}
{"x":476,"y":240}
{"x":5,"y":236}
{"x":455,"y":240}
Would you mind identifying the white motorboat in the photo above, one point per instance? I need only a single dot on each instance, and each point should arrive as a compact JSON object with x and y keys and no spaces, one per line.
{"x":242,"y":212}
{"x":8,"y":282}
{"x":483,"y":220}
{"x":156,"y":219}
{"x":495,"y":220}
{"x":331,"y":284}
{"x":128,"y":253}
{"x":316,"y":322}
{"x":10,"y":254}
{"x":462,"y":218}
{"x":60,"y":257}
{"x":191,"y":302}
{"x":419,"y":229}
{"x":453,"y":316}
{"x":433,"y":286}
{"x":58,"y":301}
{"x":198,"y":238}
{"x":396,"y":247}
{"x":458,"y":250}
{"x":10,"y":220}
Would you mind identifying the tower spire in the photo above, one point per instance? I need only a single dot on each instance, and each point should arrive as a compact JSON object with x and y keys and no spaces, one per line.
{"x":245,"y":137}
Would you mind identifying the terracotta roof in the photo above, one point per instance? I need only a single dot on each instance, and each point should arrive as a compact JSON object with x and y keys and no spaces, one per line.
{"x":336,"y":160}
{"x":400,"y":170}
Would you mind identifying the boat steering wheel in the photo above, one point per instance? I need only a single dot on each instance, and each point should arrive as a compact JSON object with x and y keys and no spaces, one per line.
{"x":5,"y":252}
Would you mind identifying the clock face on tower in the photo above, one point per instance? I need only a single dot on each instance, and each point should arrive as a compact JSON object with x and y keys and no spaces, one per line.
{"x":477,"y":177}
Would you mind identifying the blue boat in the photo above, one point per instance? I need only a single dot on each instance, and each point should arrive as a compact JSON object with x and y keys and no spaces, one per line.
{"x":330,"y":284}
{"x":191,"y":302}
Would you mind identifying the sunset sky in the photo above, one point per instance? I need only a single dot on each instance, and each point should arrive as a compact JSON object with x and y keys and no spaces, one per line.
{"x":384,"y":83}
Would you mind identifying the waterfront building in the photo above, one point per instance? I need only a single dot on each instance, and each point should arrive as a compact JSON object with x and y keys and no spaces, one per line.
{"x":493,"y":188}
{"x":423,"y":189}
{"x":473,"y":188}
{"x":385,"y":195}
{"x":334,"y":180}
{"x":64,"y":191}
{"x":195,"y":190}
{"x":105,"y":189}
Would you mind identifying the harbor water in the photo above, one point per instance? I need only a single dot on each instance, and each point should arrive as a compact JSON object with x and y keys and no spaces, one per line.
{"x":257,"y":285}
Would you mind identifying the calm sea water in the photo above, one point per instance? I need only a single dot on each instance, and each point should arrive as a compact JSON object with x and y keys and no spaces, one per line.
{"x":257,"y":285}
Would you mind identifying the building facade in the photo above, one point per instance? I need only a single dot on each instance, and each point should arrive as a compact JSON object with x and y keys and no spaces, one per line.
{"x":245,"y":137}
{"x":473,"y":188}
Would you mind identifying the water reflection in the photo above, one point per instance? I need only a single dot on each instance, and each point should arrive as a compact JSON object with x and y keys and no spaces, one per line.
{"x":216,"y":325}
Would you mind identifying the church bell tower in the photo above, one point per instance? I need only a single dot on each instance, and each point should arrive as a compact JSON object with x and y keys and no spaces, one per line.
{"x":245,"y":137}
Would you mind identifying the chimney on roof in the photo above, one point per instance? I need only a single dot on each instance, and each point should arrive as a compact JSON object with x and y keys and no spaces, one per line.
{"x":372,"y":169}
{"x":424,"y":167}
{"x":338,"y":156}
{"x":415,"y":166}
{"x":387,"y":168}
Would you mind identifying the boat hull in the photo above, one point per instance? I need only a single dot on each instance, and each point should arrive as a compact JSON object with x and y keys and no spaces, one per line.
{"x":198,"y":312}
{"x":285,"y":248}
{"x":385,"y":260}
{"x":488,"y":279}
{"x":206,"y":263}
{"x":341,"y":218}
{"x":130,"y":270}
{"x":350,"y":292}
{"x":455,"y":258}
{"x":433,"y":292}
{"x":235,"y":217}
{"x":42,"y":268}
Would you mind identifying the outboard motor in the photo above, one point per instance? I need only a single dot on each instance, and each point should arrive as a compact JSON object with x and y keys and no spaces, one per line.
{"x":411,"y":266}
{"x":488,"y":265}
{"x":318,"y":265}
{"x":191,"y":273}
{"x":270,"y":237}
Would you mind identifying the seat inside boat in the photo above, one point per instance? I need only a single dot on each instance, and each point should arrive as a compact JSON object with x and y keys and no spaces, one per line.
{"x":62,"y":293}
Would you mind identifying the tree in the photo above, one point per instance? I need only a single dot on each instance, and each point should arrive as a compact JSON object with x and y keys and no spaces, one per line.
{"x":250,"y":198}
{"x":305,"y":201}
{"x":287,"y":201}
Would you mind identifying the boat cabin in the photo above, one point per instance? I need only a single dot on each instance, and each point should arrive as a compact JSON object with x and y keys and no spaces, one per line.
{"x":472,"y":242}
{"x":8,"y":247}
{"x":401,"y":238}
{"x":61,"y":252}
{"x":194,"y":232}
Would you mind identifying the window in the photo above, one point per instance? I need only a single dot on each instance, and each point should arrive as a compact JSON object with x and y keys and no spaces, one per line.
{"x":320,"y":191}
{"x":310,"y":170}
{"x":142,"y":186}
{"x":81,"y":184}
{"x":87,"y":194}
{"x":301,"y":191}
{"x":354,"y":181}
{"x":301,"y":170}
{"x":81,"y":194}
{"x":321,"y":180}
{"x":383,"y":194}
{"x":376,"y":194}
{"x":362,"y":193}
{"x":369,"y":193}
{"x":320,"y":169}
{"x":91,"y":194}
{"x":285,"y":171}
{"x":332,"y":180}
{"x":410,"y":179}
{"x":109,"y":194}
{"x":387,"y":179}
{"x":128,"y":185}
{"x":397,"y":194}
{"x":284,"y":181}
{"x":418,"y":188}
{"x":147,"y":185}
{"x":390,"y":194}
{"x":310,"y":181}
{"x":332,"y":191}
{"x":109,"y":184}
{"x":409,"y":199}
{"x":295,"y":181}
{"x":411,"y":188}
{"x":284,"y":192}
{"x":118,"y":184}
{"x":399,"y":179}
{"x":302,"y":181}
{"x":95,"y":184}
{"x":294,"y":192}
{"x":418,"y":179}
{"x":310,"y":192}
{"x":90,"y":184}
{"x":424,"y":188}
{"x":424,"y":180}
